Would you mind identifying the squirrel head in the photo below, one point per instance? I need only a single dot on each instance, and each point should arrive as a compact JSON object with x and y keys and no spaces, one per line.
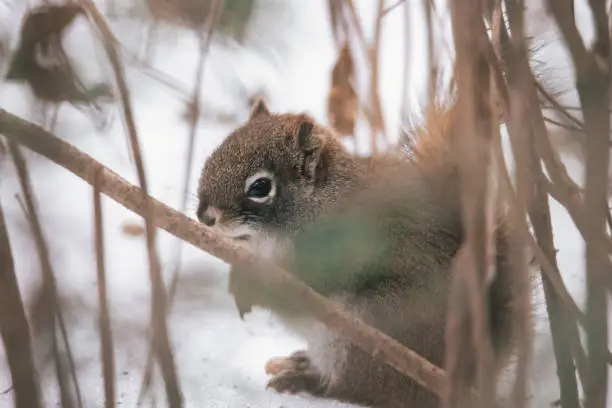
{"x":272,"y":175}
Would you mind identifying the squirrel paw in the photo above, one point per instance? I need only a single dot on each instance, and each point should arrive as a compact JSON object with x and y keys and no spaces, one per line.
{"x":294,"y":374}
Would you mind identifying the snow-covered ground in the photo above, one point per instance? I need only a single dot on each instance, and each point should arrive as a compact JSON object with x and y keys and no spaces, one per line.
{"x":220,"y":357}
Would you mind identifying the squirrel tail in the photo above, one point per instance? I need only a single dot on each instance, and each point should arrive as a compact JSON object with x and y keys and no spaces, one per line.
{"x":429,"y":145}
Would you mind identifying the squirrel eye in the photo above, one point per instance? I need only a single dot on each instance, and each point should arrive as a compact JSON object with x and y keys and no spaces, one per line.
{"x":260,"y":188}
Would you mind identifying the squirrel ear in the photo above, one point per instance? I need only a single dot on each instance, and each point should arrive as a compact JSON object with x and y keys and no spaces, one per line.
{"x":259,"y":108}
{"x":311,"y":146}
{"x":304,"y":138}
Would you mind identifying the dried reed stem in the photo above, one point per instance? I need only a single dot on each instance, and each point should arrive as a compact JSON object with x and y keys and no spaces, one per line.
{"x":49,"y":298}
{"x":535,"y":200}
{"x":431,"y":53}
{"x":562,"y":328}
{"x":205,"y":42}
{"x":598,"y":262}
{"x":473,"y":267}
{"x":161,"y":341}
{"x":392,"y":7}
{"x":557,"y":106}
{"x":15,"y":330}
{"x":592,"y":70}
{"x":526,"y":159}
{"x":551,"y":272}
{"x":104,"y":320}
{"x":358,"y":28}
{"x":379,"y":123}
{"x":373,"y":112}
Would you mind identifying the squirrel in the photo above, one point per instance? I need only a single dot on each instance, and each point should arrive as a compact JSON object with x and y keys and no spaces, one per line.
{"x":377,"y":234}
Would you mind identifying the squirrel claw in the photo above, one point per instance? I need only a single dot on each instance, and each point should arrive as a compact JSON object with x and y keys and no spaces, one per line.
{"x":297,"y":361}
{"x":288,"y":382}
{"x":294,"y":374}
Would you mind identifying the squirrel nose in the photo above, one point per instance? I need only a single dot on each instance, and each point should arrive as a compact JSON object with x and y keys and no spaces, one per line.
{"x":206,"y":214}
{"x":208,"y":219}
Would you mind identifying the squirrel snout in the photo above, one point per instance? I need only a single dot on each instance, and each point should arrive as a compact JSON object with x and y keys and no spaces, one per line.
{"x":208,"y":219}
{"x":206,"y":214}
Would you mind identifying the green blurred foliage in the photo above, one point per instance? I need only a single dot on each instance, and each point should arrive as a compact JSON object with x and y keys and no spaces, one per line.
{"x":235,"y":17}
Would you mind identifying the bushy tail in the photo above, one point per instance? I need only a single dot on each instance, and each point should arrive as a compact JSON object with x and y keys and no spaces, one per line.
{"x":429,"y":145}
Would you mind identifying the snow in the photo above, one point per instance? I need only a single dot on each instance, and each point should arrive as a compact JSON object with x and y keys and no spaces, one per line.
{"x":219,"y":356}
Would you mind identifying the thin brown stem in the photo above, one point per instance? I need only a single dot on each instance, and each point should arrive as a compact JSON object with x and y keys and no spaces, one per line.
{"x":526,"y":122}
{"x":525,"y":156}
{"x":562,"y":125}
{"x":431,"y":54}
{"x":15,"y":330}
{"x":559,"y":301}
{"x":374,"y":51}
{"x":561,"y":109}
{"x":592,"y":70}
{"x":104,"y":320}
{"x":392,"y":7}
{"x":205,"y":42}
{"x":49,"y":296}
{"x":162,"y":345}
{"x":358,"y":27}
{"x":467,"y":334}
{"x":563,"y":11}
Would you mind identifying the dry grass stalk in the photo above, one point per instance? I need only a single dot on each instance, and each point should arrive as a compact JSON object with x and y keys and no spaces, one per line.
{"x":563,"y":326}
{"x":338,"y":22}
{"x":162,"y":346}
{"x":562,"y":188}
{"x":15,"y":330}
{"x":356,"y":22}
{"x":155,"y":74}
{"x":569,"y":194}
{"x":557,"y":106}
{"x":374,"y":95}
{"x":535,"y":200}
{"x":566,"y":190}
{"x":567,"y":306}
{"x":205,"y":41}
{"x":431,"y":52}
{"x":392,"y":7}
{"x":47,"y":313}
{"x":467,"y":333}
{"x":104,"y":320}
{"x":526,"y":160}
{"x":592,"y":68}
{"x":329,"y":313}
{"x":565,"y":335}
{"x":564,"y":332}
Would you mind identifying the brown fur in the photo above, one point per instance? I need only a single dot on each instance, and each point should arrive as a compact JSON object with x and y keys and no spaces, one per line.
{"x":377,"y":234}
